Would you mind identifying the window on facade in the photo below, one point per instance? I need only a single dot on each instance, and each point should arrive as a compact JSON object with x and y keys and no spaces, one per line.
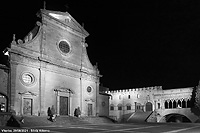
{"x":89,"y":89}
{"x":64,"y":47}
{"x":128,"y":107}
{"x":111,"y":98}
{"x":112,"y":107}
{"x":119,"y":96}
{"x":27,"y":79}
{"x":129,"y":96}
{"x":138,"y":96}
{"x":119,"y":107}
{"x":139,"y":107}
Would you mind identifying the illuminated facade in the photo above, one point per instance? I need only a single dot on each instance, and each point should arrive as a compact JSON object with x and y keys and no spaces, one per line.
{"x":50,"y":66}
{"x":152,"y":103}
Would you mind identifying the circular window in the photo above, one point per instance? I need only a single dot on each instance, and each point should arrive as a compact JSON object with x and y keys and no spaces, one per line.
{"x":27,"y":79}
{"x":89,"y":89}
{"x":64,"y":47}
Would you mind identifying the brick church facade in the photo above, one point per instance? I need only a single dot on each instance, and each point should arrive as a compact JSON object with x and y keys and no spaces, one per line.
{"x":49,"y":67}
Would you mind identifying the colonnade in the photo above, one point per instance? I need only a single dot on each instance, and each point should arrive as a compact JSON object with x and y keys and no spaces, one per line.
{"x":178,"y":103}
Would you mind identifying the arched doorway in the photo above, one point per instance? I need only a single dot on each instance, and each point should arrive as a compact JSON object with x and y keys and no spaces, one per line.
{"x":149,"y":106}
{"x":3,"y":103}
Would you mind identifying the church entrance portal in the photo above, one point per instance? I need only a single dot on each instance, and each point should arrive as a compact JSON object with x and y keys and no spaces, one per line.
{"x":64,"y":105}
{"x":27,"y":108}
{"x":89,"y":109}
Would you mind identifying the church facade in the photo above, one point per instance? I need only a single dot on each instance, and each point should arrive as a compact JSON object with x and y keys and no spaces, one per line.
{"x":50,"y":67}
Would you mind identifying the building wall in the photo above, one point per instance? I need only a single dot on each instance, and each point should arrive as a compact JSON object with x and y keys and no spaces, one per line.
{"x":54,"y":75}
{"x":103,"y":105}
{"x":141,"y":96}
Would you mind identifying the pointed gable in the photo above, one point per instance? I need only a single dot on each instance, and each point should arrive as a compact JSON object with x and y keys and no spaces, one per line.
{"x":67,"y":20}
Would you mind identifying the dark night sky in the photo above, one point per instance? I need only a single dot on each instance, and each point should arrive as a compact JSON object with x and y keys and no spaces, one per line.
{"x":136,"y":43}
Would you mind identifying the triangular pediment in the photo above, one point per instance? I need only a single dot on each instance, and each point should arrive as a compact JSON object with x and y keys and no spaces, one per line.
{"x":63,"y":89}
{"x":66,"y":19}
{"x":27,"y":93}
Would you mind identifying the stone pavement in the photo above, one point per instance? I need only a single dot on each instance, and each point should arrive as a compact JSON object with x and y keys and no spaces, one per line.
{"x":34,"y":121}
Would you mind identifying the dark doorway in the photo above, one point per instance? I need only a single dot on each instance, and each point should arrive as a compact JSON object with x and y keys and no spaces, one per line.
{"x":149,"y":106}
{"x":64,"y":105}
{"x":27,"y":108}
{"x":89,"y":109}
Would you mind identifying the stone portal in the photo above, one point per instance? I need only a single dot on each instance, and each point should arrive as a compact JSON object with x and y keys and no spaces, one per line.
{"x":64,"y":107}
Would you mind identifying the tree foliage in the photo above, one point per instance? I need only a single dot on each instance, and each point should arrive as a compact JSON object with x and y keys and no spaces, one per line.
{"x":195,"y":100}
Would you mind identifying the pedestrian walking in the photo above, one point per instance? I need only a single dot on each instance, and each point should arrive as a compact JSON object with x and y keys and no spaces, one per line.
{"x":53,"y":113}
{"x":78,"y":112}
{"x":49,"y":114}
{"x":75,"y":112}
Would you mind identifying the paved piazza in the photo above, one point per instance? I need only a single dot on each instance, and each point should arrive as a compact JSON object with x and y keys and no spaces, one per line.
{"x":116,"y":128}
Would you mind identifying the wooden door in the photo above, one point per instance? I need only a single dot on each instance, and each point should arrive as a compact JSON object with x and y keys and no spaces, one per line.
{"x":27,"y":106}
{"x":89,"y":109}
{"x":149,"y":106}
{"x":64,"y":105}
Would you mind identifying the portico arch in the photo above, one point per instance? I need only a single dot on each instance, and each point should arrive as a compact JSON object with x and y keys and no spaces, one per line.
{"x":183,"y":112}
{"x":178,"y":118}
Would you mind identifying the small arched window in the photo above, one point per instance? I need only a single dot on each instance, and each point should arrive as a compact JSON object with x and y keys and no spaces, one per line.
{"x":119,"y":107}
{"x":111,"y":107}
{"x":128,"y":106}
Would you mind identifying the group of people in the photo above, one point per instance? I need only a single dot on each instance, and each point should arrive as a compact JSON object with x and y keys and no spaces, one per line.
{"x":51,"y":113}
{"x":77,"y":112}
